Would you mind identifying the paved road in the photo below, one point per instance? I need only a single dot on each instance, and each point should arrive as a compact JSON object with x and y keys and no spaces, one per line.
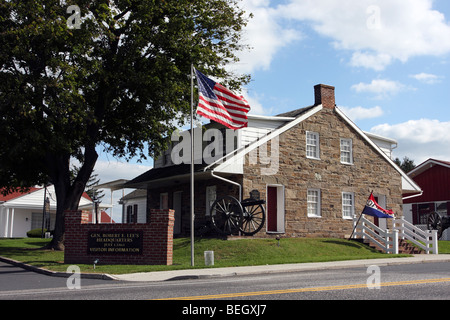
{"x":398,"y":282}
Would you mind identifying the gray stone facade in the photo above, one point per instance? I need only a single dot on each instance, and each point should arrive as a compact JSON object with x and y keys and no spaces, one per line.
{"x":297,"y":173}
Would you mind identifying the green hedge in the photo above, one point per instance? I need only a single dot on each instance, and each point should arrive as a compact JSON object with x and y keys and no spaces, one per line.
{"x":36,"y":233}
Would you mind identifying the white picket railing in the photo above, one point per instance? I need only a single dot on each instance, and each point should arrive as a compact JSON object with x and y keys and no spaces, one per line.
{"x":384,"y":239}
{"x":427,"y":240}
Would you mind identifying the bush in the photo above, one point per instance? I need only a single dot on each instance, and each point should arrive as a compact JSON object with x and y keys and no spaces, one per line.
{"x":35,"y":233}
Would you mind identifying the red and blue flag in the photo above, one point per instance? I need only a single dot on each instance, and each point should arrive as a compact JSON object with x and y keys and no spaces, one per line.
{"x":373,"y":209}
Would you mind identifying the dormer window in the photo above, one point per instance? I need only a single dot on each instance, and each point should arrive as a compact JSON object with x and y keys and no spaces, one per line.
{"x":312,"y":145}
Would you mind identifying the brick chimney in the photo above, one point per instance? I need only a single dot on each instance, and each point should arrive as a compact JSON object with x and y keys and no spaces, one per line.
{"x":324,"y":95}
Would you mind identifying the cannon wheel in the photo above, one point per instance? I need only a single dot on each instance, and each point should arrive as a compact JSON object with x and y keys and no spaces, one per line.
{"x":226,"y":215}
{"x":253,"y":219}
{"x":434,"y":221}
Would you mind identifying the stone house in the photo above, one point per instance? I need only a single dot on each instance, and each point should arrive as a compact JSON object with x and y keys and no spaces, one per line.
{"x":313,"y":167}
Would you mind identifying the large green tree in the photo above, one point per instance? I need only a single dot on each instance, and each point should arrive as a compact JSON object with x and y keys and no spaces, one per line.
{"x":114,"y":74}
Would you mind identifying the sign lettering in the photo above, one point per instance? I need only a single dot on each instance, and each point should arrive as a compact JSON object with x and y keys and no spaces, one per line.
{"x":115,"y":242}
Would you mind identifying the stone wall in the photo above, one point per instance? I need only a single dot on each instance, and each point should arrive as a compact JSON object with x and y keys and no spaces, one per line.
{"x":369,"y":172}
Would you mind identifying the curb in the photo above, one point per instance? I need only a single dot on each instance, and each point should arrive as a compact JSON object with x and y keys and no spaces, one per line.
{"x":237,"y":271}
{"x":100,"y":276}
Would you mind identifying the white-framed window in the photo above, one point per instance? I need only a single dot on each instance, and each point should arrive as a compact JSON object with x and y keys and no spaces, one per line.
{"x":210,"y":198}
{"x":348,"y":205}
{"x":313,"y":201}
{"x":312,"y":145}
{"x":346,"y":151}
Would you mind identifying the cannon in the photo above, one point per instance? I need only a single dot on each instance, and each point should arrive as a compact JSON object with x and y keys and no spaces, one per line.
{"x":438,"y":222}
{"x":231,"y":216}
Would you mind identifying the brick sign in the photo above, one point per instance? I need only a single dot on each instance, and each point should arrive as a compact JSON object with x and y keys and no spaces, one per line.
{"x":113,"y":242}
{"x":119,"y":243}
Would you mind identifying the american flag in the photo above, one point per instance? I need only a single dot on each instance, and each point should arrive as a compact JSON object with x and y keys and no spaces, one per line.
{"x":220,"y":104}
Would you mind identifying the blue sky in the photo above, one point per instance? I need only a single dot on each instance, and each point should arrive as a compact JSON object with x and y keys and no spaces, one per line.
{"x":388,"y":59}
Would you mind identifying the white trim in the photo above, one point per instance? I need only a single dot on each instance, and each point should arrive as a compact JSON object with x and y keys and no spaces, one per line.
{"x":413,"y":196}
{"x":412,"y":184}
{"x":351,"y":150}
{"x":6,"y":222}
{"x":241,"y":152}
{"x":352,"y":213}
{"x":421,"y":166}
{"x":318,"y":213}
{"x":376,"y":136}
{"x":12,"y":223}
{"x":269,"y":118}
{"x":317,"y":145}
{"x":281,"y":220}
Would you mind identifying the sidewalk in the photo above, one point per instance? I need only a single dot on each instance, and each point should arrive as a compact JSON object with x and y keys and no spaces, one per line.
{"x":240,"y":271}
{"x":266,"y":269}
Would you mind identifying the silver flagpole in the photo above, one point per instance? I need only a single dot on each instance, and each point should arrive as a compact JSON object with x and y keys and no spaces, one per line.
{"x":192,"y":165}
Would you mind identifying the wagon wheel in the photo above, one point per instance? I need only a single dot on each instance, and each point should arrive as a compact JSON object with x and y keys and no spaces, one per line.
{"x":226,"y":215}
{"x":434,"y":221}
{"x":252,"y":219}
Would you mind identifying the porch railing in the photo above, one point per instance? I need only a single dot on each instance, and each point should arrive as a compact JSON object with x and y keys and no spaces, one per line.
{"x":425,"y":239}
{"x":384,"y":240}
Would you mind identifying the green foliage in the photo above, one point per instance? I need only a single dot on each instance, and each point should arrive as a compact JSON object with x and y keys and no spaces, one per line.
{"x":120,"y":81}
{"x":35,"y":233}
{"x":406,"y":165}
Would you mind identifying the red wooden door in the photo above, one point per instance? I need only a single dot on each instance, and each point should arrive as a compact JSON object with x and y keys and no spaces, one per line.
{"x":272,"y":209}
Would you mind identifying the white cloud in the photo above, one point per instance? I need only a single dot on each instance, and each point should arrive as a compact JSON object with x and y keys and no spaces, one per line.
{"x":419,"y":139}
{"x":427,"y":78}
{"x":360,"y":113}
{"x":256,"y":106}
{"x":113,"y":170}
{"x":380,"y":87}
{"x":378,"y":32}
{"x":377,"y":61}
{"x":266,"y":36}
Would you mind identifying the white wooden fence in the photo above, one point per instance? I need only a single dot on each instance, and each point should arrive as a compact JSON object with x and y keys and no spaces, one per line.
{"x":384,"y":239}
{"x":387,"y":240}
{"x":425,"y":239}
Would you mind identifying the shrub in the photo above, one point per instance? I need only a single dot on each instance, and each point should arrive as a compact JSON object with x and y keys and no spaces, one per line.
{"x":35,"y":233}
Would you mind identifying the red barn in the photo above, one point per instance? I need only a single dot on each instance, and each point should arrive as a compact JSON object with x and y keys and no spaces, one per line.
{"x":433,"y":176}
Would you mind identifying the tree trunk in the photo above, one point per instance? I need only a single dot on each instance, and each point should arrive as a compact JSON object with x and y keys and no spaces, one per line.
{"x":68,"y":195}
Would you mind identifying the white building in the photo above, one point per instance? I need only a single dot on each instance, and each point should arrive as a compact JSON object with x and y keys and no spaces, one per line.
{"x":22,"y":212}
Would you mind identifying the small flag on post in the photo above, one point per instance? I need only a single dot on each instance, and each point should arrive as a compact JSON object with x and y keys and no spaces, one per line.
{"x":373,"y":209}
{"x":219,"y":104}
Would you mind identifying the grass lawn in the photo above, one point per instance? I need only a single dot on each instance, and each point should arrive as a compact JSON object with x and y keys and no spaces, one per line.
{"x":444,"y":247}
{"x":229,"y":253}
